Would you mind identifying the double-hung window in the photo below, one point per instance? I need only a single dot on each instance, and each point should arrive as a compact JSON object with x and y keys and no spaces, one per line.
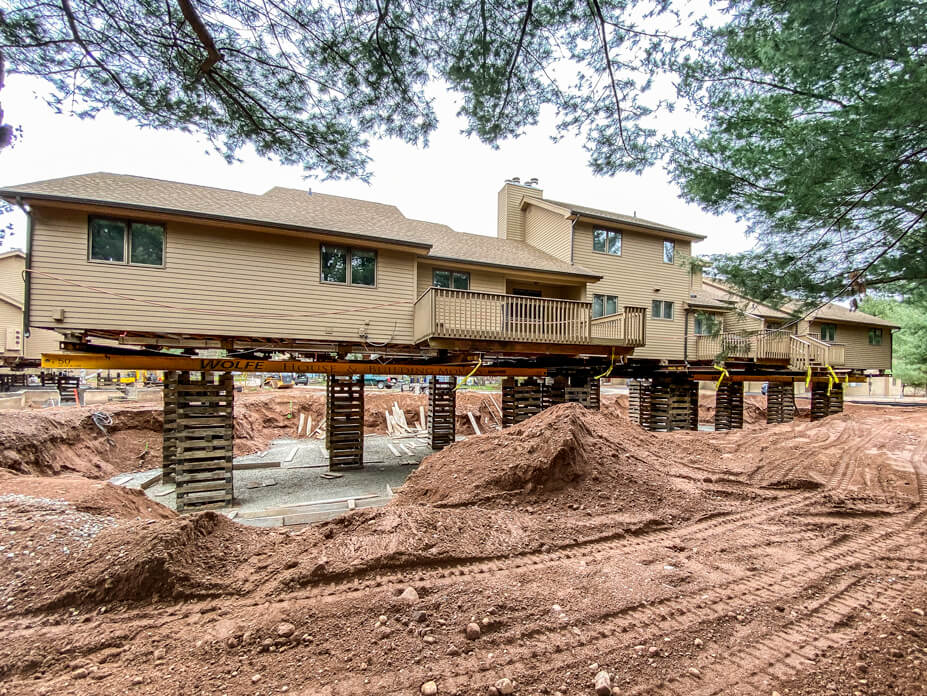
{"x":456,"y":280}
{"x":661,"y":309}
{"x":604,"y":305}
{"x":606,"y":241}
{"x":349,"y":266}
{"x":829,"y":332}
{"x":125,"y":241}
{"x":875,"y":337}
{"x":705,"y":324}
{"x":669,"y":251}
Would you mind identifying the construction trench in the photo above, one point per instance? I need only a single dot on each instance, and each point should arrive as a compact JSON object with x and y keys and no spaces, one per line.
{"x":774,"y":557}
{"x":198,"y":425}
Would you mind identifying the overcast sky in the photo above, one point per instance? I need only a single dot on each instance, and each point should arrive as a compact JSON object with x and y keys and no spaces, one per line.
{"x":454,"y":181}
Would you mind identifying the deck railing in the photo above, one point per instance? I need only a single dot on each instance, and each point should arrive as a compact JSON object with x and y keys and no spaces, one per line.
{"x":485,"y":316}
{"x":628,"y":326}
{"x":769,"y":345}
{"x":807,"y":350}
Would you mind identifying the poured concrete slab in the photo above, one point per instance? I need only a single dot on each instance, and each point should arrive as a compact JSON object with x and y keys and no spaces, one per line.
{"x":290,"y":483}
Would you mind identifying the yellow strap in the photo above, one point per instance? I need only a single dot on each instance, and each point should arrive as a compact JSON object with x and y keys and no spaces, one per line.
{"x":724,"y":374}
{"x":479,"y":364}
{"x":834,"y":374}
{"x":610,"y":368}
{"x":808,"y":377}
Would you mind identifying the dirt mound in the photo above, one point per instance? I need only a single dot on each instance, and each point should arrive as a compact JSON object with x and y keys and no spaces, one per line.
{"x":87,"y":495}
{"x":147,"y":560}
{"x":566,"y":452}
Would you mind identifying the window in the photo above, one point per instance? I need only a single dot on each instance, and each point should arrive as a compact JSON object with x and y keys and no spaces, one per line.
{"x":669,"y":251}
{"x":114,"y":241}
{"x":606,"y":241}
{"x":661,"y":309}
{"x":875,"y":337}
{"x":705,"y":324}
{"x":337,"y":260}
{"x":604,"y":305}
{"x":458,"y":280}
{"x":829,"y":332}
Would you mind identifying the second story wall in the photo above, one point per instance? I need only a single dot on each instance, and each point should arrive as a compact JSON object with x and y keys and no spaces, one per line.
{"x":859,"y":353}
{"x":214,"y":281}
{"x":638,"y":276}
{"x":548,"y":231}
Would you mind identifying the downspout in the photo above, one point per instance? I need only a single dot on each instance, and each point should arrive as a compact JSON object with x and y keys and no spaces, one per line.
{"x":572,"y":238}
{"x":685,"y":336}
{"x":27,"y":274}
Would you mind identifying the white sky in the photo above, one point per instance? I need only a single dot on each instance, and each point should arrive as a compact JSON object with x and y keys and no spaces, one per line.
{"x":454,"y":181}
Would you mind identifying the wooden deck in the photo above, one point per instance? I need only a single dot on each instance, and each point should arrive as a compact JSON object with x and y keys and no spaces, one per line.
{"x":799,"y":352}
{"x":442,"y":313}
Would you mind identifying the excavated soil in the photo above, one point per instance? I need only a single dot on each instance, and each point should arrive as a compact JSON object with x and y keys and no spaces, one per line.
{"x":787,"y":558}
{"x":62,"y":440}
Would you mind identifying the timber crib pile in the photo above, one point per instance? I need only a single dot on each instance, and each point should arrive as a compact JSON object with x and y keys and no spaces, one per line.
{"x":199,"y":439}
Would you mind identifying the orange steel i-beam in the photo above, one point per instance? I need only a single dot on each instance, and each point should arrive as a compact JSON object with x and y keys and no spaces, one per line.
{"x":103,"y":361}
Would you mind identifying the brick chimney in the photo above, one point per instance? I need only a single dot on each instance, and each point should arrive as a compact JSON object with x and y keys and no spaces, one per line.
{"x":511,"y":216}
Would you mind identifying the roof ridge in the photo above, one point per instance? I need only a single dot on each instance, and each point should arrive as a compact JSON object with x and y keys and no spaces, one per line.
{"x":333,"y":195}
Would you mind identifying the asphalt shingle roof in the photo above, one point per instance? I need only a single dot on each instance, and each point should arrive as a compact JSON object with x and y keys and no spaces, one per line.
{"x":620,"y":217}
{"x":295,"y":209}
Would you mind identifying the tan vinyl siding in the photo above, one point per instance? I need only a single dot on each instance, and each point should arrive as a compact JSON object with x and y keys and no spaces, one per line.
{"x":740,"y":322}
{"x":859,"y":354}
{"x":482,"y":281}
{"x":11,"y":277}
{"x":634,"y":276}
{"x":511,"y":218}
{"x":10,"y":318}
{"x":210,"y":270}
{"x":548,"y":231}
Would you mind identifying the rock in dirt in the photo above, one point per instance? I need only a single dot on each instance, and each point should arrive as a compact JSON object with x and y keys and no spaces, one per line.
{"x":472,"y":631}
{"x":505,"y":686}
{"x":409,"y":595}
{"x":429,"y":688}
{"x":603,"y":684}
{"x":285,"y":630}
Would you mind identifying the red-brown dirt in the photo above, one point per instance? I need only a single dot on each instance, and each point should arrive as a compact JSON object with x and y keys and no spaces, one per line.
{"x":787,"y":558}
{"x":65,"y":440}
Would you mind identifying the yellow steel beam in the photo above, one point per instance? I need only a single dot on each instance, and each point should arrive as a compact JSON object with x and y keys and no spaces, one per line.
{"x":103,"y":361}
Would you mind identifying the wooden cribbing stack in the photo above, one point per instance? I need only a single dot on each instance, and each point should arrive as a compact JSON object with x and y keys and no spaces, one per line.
{"x":199,"y":438}
{"x":780,"y":402}
{"x":639,"y":402}
{"x":824,"y":404}
{"x":729,"y":406}
{"x":520,"y":401}
{"x":442,"y":408}
{"x":835,"y":405}
{"x":663,"y":405}
{"x":344,"y":436}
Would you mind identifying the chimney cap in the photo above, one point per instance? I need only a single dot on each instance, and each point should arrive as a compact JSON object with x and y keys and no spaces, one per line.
{"x":515,"y":180}
{"x":533,"y":181}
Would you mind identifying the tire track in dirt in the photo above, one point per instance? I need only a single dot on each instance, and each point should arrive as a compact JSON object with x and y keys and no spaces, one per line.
{"x":559,"y":648}
{"x":782,"y":654}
